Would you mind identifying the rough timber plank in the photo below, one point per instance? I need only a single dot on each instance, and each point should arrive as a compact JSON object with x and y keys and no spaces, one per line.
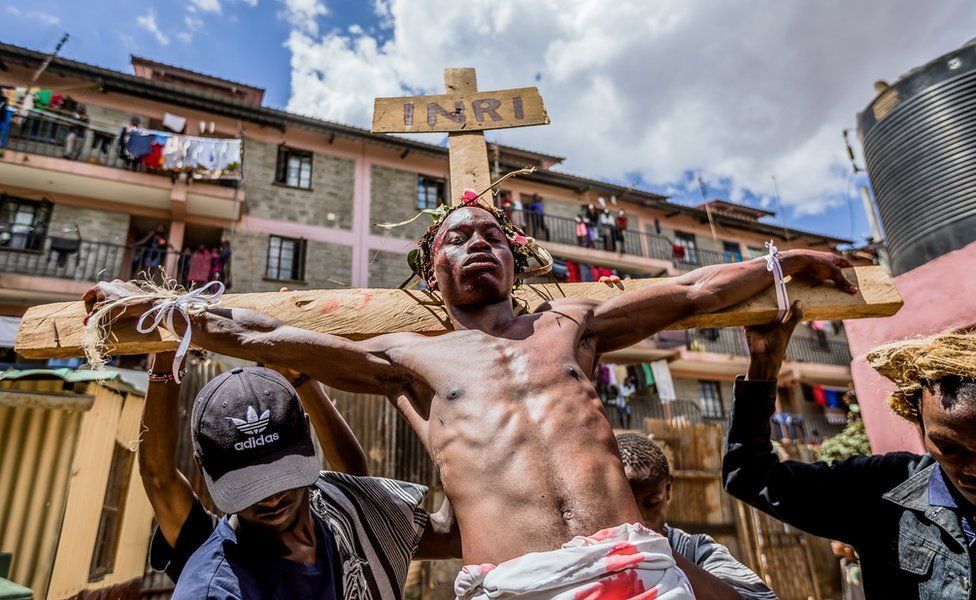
{"x":467,"y":149}
{"x":470,"y":111}
{"x":54,"y":330}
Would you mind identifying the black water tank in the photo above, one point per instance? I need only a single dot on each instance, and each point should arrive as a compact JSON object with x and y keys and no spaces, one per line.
{"x":919,"y":140}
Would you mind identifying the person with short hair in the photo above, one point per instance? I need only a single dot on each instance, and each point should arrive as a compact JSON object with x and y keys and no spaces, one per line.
{"x":712,"y":570}
{"x":910,"y":517}
{"x":290,"y":530}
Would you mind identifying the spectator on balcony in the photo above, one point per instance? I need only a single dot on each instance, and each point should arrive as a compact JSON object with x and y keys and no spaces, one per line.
{"x":607,"y":225}
{"x":591,"y":217}
{"x":624,"y":403}
{"x":150,"y":251}
{"x":712,"y":570}
{"x":618,"y":231}
{"x":909,"y":517}
{"x":581,"y":236}
{"x":5,"y":116}
{"x":75,"y":141}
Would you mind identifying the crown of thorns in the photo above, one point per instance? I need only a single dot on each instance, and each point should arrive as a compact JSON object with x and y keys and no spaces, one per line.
{"x":523,"y":247}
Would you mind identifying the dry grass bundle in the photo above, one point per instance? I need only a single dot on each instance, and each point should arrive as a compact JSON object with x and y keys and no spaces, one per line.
{"x":915,"y":363}
{"x":95,"y":339}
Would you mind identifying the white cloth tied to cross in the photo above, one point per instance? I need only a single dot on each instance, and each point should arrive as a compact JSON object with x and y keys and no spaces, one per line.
{"x":165,"y":309}
{"x":772,"y":264}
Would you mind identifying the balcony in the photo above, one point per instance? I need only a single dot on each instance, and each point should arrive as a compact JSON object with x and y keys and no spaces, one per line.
{"x":720,"y":341}
{"x":651,"y":407}
{"x":623,"y":244}
{"x":812,"y":350}
{"x":48,"y":153}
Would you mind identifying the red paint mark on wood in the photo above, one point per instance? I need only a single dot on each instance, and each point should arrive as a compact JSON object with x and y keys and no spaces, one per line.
{"x":331,"y":307}
{"x":367,"y":298}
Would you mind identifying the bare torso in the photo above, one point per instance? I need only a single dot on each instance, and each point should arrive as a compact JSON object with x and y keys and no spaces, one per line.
{"x":517,"y":430}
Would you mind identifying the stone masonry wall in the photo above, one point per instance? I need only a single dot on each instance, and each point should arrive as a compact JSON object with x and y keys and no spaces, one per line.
{"x":393,"y":199}
{"x":387,"y":269}
{"x":328,"y":204}
{"x":326,"y":265}
{"x":95,"y":225}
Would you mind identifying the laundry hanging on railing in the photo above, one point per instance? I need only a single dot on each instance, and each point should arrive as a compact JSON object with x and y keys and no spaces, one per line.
{"x":204,"y":158}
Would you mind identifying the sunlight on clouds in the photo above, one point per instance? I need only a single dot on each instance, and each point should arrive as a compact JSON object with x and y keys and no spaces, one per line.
{"x":665,"y":87}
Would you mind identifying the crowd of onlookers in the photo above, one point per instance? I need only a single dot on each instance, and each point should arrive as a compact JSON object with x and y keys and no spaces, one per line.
{"x":593,"y":227}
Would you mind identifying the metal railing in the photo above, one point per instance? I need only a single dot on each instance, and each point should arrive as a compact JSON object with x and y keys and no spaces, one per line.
{"x":649,"y":406}
{"x":692,"y":258}
{"x":823,"y":351}
{"x":805,"y":429}
{"x":52,"y":135}
{"x":726,"y":340}
{"x":73,"y":258}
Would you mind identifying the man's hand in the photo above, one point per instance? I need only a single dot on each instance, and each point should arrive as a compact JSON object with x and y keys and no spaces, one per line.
{"x":768,"y":344}
{"x":820,"y":266}
{"x":106,"y":292}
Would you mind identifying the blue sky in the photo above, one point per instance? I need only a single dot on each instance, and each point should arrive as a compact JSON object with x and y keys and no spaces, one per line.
{"x":736,"y":94}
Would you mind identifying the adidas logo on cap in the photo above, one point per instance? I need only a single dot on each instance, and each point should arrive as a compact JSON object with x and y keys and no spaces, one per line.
{"x":251,"y":425}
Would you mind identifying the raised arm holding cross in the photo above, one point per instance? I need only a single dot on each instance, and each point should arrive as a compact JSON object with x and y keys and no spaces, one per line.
{"x":503,"y":402}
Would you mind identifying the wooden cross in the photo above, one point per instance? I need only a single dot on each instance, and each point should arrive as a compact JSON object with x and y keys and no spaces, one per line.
{"x":55,"y":330}
{"x":464,"y":113}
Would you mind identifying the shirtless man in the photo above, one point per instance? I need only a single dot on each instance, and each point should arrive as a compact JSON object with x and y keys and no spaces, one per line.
{"x":503,"y":403}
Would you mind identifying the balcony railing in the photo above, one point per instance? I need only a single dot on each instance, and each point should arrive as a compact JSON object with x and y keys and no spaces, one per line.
{"x":650,"y":407}
{"x":823,"y":351}
{"x":72,"y":258}
{"x":726,"y":340}
{"x":52,"y":134}
{"x":629,"y":241}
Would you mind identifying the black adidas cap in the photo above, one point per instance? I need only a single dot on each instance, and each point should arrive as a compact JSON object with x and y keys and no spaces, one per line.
{"x":252,"y":437}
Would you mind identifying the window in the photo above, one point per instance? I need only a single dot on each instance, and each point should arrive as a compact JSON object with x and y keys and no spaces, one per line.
{"x":687,"y":241}
{"x":755,"y":251}
{"x":286,"y":259}
{"x":710,"y":398}
{"x":430,"y":192}
{"x":23,"y":223}
{"x":294,"y":168}
{"x":113,"y":509}
{"x":732,"y":252}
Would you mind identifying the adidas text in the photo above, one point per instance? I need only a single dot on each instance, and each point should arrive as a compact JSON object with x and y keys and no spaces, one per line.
{"x":254,"y":442}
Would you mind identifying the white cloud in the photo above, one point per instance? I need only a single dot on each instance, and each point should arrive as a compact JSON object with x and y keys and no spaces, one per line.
{"x":44,"y":18}
{"x":736,"y":92}
{"x":193,"y":23}
{"x":185,"y":36}
{"x":12,"y":10}
{"x":148,"y":22}
{"x":212,"y":6}
{"x":303,"y":15}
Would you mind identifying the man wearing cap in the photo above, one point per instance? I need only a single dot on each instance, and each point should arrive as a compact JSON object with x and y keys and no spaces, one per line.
{"x":292,"y":531}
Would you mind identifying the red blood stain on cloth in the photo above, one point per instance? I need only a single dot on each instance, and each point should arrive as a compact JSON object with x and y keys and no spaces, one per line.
{"x":622,"y":586}
{"x":622,"y":556}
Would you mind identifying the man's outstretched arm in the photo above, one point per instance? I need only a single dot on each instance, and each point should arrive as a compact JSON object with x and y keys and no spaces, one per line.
{"x":629,"y":318}
{"x":168,"y":490}
{"x":361,"y":367}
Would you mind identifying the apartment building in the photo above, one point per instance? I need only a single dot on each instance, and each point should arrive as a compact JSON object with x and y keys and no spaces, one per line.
{"x":299,"y":207}
{"x":303,"y":211}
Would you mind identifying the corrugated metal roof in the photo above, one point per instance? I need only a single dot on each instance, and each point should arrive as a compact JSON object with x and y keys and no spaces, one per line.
{"x":74,"y":376}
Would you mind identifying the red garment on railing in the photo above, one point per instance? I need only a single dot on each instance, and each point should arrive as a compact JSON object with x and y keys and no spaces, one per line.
{"x":200,"y":264}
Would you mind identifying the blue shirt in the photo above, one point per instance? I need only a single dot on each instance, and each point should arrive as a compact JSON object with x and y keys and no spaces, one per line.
{"x":222,"y":569}
{"x":940,"y":494}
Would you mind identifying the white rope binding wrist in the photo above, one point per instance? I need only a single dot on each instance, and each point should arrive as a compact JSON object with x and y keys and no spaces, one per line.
{"x":772,"y":264}
{"x":193,"y":300}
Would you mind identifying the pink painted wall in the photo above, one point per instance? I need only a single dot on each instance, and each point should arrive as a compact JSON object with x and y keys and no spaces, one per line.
{"x":939,"y":296}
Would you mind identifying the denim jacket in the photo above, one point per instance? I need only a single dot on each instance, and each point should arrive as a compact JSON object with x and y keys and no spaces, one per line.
{"x":878,"y":504}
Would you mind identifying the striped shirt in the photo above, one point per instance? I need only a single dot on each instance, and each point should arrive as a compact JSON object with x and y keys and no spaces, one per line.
{"x":377,"y":524}
{"x":716,"y":559}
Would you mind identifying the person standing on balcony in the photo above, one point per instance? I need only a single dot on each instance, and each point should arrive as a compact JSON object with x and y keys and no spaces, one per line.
{"x":712,"y":570}
{"x":581,"y":237}
{"x":607,"y":225}
{"x":150,"y":251}
{"x":618,"y":232}
{"x":909,"y":517}
{"x":591,"y":217}
{"x":76,"y":133}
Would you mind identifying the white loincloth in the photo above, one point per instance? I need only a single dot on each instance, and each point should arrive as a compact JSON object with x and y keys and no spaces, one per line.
{"x":627,"y":562}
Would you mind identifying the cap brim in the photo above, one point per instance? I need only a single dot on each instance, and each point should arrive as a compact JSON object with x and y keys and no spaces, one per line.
{"x":241,"y":488}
